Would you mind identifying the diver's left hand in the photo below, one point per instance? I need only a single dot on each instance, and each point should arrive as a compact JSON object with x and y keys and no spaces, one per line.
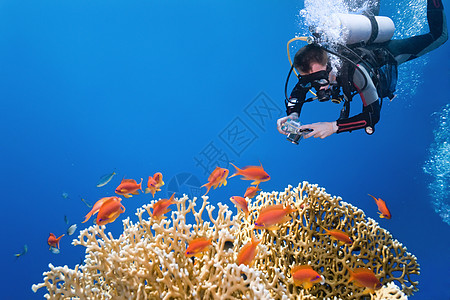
{"x":320,"y":129}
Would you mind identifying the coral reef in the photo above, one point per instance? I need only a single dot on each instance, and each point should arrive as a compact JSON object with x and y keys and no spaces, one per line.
{"x":147,"y":260}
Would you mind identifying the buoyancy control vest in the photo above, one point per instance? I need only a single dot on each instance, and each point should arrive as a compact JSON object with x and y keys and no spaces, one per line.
{"x":379,"y":63}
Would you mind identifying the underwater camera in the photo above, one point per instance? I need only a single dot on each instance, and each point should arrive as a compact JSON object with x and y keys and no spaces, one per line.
{"x":294,"y":133}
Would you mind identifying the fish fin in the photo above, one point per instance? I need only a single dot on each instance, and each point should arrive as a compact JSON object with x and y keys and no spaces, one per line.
{"x":301,"y":267}
{"x":127,"y":195}
{"x":273,"y":227}
{"x":128,"y":180}
{"x":285,"y":219}
{"x":307,"y":285}
{"x":147,"y":190}
{"x":135,"y":193}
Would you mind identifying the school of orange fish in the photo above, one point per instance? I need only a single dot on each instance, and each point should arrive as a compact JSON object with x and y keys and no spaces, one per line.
{"x":270,"y":217}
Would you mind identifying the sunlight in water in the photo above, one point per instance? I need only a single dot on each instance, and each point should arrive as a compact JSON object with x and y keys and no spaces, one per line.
{"x":438,"y":166}
{"x":409,"y":17}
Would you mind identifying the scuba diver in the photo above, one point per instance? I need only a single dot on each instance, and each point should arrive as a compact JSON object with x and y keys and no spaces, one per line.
{"x":368,"y":68}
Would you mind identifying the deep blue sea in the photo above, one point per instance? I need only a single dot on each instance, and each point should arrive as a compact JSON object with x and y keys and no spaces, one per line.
{"x":138,"y":87}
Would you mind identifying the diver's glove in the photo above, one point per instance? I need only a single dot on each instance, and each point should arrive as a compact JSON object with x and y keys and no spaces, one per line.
{"x":281,"y":121}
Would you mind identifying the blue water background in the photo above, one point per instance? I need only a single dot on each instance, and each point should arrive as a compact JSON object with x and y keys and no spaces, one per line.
{"x":88,"y":87}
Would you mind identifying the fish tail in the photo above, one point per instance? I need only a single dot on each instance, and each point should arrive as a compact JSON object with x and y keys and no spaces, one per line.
{"x":208,"y":186}
{"x":87,"y":217}
{"x":350,"y":272}
{"x":376,"y":200}
{"x":238,"y":171}
{"x":172,"y":198}
{"x":140,"y":185}
{"x":254,"y":240}
{"x":326,"y":230}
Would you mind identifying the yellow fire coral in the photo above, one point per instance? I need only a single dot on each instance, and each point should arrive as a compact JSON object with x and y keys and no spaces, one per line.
{"x":147,"y":261}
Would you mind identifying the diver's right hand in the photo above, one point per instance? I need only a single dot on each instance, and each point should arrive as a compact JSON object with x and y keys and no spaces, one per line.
{"x":281,"y":121}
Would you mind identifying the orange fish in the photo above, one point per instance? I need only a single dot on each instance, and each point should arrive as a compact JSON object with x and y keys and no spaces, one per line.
{"x":251,"y":191}
{"x":53,"y":241}
{"x":198,"y":246}
{"x":247,"y":254}
{"x":110,"y":210}
{"x":338,"y":235}
{"x":255,"y":173}
{"x":384,"y":211}
{"x":306,"y":276}
{"x":154,"y":183}
{"x":272,"y":215}
{"x":161,"y":207}
{"x":128,"y":187}
{"x":97,"y":206}
{"x":240,"y":203}
{"x":217,"y":178}
{"x":365,"y":278}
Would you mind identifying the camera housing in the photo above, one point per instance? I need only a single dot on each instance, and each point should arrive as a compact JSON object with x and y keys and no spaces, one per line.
{"x":294,"y":133}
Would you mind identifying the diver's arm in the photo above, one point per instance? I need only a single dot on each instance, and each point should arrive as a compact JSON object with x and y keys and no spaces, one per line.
{"x":296,"y":100}
{"x":371,"y":106}
{"x":293,"y":107}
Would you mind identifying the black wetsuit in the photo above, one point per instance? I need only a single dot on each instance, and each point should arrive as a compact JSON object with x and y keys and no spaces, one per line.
{"x":402,"y":50}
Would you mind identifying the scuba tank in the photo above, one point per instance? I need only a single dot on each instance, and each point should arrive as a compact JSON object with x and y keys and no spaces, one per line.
{"x":365,"y":28}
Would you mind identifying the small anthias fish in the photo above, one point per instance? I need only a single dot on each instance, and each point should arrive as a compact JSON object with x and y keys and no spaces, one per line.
{"x":24,"y":251}
{"x":240,"y":203}
{"x":384,"y":211}
{"x":129,"y":187}
{"x":53,"y":241}
{"x":197,"y":246}
{"x":251,"y":191}
{"x":270,"y":217}
{"x":338,"y":235}
{"x":217,"y":178}
{"x":255,"y":173}
{"x":72,"y":229}
{"x":154,"y":183}
{"x":305,"y":275}
{"x":161,"y":207}
{"x":105,"y":179}
{"x":248,"y":252}
{"x":108,"y":209}
{"x":365,"y":278}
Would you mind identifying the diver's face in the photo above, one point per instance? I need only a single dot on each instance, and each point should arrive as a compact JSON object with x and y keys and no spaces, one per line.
{"x":315,"y":67}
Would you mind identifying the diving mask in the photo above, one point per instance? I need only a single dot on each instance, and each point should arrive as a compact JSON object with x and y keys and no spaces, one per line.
{"x":317,"y":80}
